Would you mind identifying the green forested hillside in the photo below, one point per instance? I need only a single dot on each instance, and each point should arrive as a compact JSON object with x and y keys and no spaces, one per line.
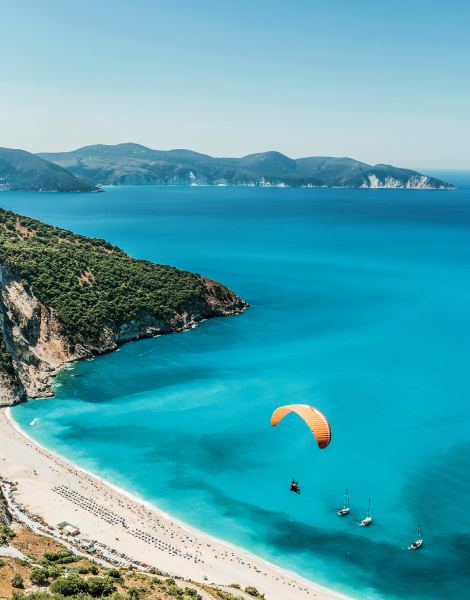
{"x":90,"y":283}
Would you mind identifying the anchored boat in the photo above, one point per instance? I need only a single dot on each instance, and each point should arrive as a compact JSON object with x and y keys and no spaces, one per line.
{"x":418,"y":543}
{"x":342,"y":512}
{"x":368,"y":520}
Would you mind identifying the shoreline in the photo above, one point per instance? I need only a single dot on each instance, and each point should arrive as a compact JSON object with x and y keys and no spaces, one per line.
{"x":113,"y":186}
{"x":179,"y":548}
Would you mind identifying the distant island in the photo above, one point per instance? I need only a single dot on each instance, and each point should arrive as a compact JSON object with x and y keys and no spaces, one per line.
{"x":21,"y":170}
{"x":133,"y":164}
{"x":66,"y":297}
{"x":90,"y":167}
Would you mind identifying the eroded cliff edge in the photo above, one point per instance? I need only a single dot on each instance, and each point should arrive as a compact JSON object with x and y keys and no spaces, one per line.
{"x":65,"y":297}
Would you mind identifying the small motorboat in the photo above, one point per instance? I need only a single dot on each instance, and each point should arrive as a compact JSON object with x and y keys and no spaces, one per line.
{"x":418,"y":543}
{"x":368,"y":520}
{"x":342,"y":512}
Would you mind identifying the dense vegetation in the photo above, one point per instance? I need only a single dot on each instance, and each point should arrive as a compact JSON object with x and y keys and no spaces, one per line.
{"x":6,"y":534}
{"x":90,"y":283}
{"x":73,"y":586}
{"x":6,"y":364}
{"x":52,"y":572}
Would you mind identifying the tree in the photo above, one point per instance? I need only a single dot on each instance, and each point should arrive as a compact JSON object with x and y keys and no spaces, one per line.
{"x":54,"y":571}
{"x":6,"y":534}
{"x":100,"y":586}
{"x":253,"y":592}
{"x":69,"y":586}
{"x":17,"y":581}
{"x":39,"y":576}
{"x":59,"y":557}
{"x":114,"y":573}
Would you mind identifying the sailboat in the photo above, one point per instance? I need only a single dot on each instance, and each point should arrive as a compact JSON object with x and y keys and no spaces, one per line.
{"x":417,"y":544}
{"x":368,"y":520}
{"x":342,"y":512}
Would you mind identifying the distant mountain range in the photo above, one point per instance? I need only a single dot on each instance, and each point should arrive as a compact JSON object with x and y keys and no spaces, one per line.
{"x":90,"y":167}
{"x":135,"y":164}
{"x":20,"y":170}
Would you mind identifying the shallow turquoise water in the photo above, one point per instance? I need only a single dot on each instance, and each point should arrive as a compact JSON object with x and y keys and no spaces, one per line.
{"x":359,"y":305}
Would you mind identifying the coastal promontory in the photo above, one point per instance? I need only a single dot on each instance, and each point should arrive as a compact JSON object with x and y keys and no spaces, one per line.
{"x":21,"y":170}
{"x":65,"y":297}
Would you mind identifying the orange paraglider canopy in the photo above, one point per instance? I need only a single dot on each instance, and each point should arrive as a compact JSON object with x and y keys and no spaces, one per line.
{"x":315,"y":419}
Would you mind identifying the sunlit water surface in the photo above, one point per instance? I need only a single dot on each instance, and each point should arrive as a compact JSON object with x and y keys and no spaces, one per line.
{"x":359,"y":305}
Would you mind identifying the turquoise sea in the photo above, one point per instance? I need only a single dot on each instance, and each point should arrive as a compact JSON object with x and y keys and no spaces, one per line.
{"x":360,"y":305}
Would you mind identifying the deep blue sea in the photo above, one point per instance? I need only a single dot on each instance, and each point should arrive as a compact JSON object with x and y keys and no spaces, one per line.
{"x":359,"y":305}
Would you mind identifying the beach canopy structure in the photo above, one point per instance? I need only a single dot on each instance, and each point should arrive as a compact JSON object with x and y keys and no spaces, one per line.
{"x":315,"y":420}
{"x":68,"y":528}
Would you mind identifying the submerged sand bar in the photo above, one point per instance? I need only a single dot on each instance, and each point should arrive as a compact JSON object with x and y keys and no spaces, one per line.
{"x":54,"y":489}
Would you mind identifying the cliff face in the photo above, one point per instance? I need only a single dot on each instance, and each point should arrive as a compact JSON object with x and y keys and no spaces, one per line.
{"x":39,"y":335}
{"x":408,"y":182}
{"x":35,"y":338}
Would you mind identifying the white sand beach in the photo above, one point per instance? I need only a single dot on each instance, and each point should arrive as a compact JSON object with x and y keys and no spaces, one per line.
{"x":52,"y":488}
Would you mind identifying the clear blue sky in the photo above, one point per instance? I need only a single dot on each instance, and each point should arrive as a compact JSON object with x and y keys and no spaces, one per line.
{"x":379,"y":81}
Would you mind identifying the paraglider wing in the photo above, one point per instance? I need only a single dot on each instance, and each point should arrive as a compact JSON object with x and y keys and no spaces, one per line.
{"x":315,"y":420}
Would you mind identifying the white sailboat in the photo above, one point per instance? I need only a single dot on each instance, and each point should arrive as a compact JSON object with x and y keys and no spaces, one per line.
{"x":368,"y":520}
{"x":417,"y":544}
{"x":342,"y":512}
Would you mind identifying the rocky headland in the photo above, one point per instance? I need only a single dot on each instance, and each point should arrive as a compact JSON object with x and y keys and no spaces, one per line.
{"x":66,"y":297}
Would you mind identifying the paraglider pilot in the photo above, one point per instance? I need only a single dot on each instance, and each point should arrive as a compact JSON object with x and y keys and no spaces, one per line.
{"x":294,"y":487}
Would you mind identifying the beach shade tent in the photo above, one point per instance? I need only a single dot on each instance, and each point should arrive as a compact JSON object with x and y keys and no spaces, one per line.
{"x":68,"y":528}
{"x":314,"y":419}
